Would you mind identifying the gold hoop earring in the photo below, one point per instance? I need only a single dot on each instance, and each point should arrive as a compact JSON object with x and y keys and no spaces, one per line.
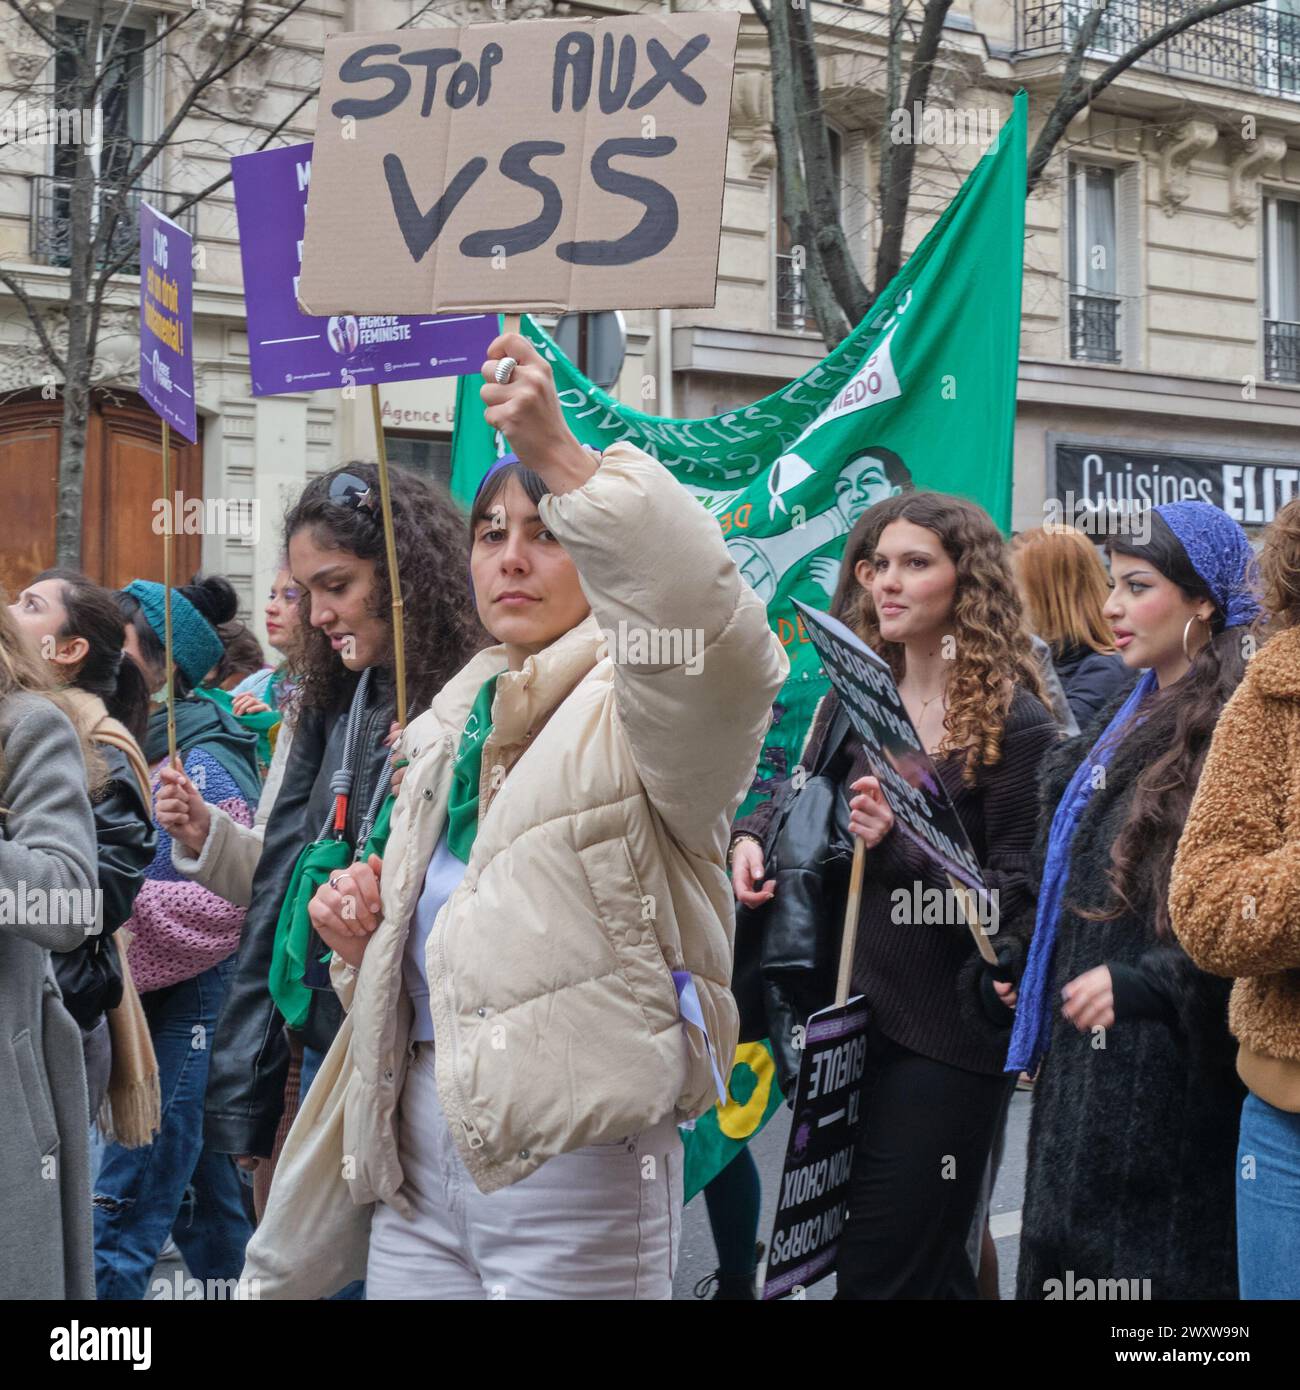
{"x":1195,"y":618}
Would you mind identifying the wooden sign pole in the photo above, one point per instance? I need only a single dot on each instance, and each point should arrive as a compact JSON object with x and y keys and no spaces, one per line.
{"x":168,"y":520}
{"x":390,"y":545}
{"x":849,"y":939}
{"x":967,"y":900}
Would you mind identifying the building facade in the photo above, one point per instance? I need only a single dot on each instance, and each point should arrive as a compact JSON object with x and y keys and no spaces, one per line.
{"x":1160,"y":346}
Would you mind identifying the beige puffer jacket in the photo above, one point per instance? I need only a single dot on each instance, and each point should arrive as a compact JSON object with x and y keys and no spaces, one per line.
{"x":606,"y":802}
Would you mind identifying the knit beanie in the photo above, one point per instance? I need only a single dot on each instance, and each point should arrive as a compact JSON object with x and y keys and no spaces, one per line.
{"x":196,"y":646}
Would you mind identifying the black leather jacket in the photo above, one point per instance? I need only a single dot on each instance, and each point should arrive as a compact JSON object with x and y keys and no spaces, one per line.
{"x":90,"y":976}
{"x":250,"y":1059}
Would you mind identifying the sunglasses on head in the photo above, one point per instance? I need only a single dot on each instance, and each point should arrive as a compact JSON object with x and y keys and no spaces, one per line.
{"x":354,"y":493}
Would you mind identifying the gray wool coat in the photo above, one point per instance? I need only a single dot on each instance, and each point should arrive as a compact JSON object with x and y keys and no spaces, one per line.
{"x":47,"y":864}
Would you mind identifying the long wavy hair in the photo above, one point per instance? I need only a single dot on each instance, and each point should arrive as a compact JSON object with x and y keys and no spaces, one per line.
{"x":1064,"y":586}
{"x":441,"y":630}
{"x":23,"y":669}
{"x":1180,"y":720}
{"x":992,"y":653}
{"x":1279,"y":568}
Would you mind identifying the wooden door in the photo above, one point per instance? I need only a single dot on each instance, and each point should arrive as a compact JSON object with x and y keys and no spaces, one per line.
{"x":124,"y":486}
{"x":29,"y":479}
{"x":121,"y":486}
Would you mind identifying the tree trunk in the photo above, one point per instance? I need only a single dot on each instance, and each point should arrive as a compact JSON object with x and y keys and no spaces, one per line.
{"x":80,"y":353}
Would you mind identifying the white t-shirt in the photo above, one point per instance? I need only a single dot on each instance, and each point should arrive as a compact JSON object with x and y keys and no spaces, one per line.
{"x":440,"y":881}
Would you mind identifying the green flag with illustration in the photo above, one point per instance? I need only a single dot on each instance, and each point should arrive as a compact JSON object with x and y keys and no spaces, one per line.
{"x":921,"y":394}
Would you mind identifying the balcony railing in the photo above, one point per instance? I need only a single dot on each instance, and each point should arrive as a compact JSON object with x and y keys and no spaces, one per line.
{"x":791,"y":295}
{"x":1253,"y":48}
{"x":1282,"y":351}
{"x":51,"y":226}
{"x":1094,"y":328}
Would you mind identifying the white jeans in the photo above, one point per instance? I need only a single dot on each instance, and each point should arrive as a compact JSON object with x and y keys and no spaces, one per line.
{"x":600,"y":1222}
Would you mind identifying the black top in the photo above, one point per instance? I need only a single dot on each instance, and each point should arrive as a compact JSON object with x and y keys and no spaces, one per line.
{"x":909,"y":970}
{"x":1091,"y":679}
{"x":250,"y":1058}
{"x":923,"y":981}
{"x":1133,"y":1136}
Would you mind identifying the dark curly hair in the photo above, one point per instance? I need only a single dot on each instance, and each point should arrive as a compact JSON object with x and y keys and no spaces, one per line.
{"x":993,"y":652}
{"x":442,"y":630}
{"x":1179,"y":719}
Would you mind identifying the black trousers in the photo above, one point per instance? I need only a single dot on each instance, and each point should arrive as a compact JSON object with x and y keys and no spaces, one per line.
{"x":927,"y":1129}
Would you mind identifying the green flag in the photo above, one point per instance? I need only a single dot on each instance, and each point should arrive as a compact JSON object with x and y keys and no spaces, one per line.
{"x":922,"y":393}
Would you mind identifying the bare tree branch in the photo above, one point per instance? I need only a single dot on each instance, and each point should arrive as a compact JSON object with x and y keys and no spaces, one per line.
{"x":1076,"y":94}
{"x":15,"y":288}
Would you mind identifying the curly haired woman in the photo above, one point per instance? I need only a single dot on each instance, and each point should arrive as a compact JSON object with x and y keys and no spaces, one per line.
{"x":926,"y":583}
{"x":1232,"y":900}
{"x":334,"y":538}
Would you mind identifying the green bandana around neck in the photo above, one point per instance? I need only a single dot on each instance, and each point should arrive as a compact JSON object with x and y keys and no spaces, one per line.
{"x":462,"y":802}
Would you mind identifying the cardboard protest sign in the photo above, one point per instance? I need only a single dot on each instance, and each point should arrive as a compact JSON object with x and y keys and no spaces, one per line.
{"x":911,"y":784}
{"x":552,"y":165}
{"x":290,"y":351}
{"x":167,"y":321}
{"x":814,"y":1196}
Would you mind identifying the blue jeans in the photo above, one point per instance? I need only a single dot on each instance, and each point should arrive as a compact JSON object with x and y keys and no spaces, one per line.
{"x":176,"y":1184}
{"x":1268,"y":1204}
{"x":311,"y":1059}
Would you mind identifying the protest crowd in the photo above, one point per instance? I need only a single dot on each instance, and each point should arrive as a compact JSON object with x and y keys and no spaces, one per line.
{"x":364,"y":1011}
{"x":564,"y":841}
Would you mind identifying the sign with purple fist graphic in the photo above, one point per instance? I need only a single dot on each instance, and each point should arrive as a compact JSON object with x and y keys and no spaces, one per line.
{"x":291,"y":351}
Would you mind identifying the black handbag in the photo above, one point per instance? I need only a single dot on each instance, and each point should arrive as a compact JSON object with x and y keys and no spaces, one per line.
{"x":90,"y":977}
{"x":787,"y":950}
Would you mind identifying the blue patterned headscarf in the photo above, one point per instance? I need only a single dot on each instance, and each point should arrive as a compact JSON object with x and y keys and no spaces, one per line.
{"x":1222,"y":556}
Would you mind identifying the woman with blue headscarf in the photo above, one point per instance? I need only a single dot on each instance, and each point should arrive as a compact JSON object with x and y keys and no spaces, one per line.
{"x":1133,"y":1139}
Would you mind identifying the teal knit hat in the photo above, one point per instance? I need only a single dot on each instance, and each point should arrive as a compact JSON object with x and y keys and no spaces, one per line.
{"x":195,"y":644}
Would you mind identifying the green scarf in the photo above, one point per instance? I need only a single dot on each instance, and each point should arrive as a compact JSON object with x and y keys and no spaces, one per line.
{"x":315,"y":864}
{"x":466,"y":774}
{"x":262,"y":723}
{"x":321,"y":858}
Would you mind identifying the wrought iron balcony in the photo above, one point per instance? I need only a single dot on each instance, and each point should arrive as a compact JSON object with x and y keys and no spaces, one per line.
{"x":1094,"y":328}
{"x":1282,"y":351}
{"x":791,"y":295}
{"x":1252,"y":48}
{"x":51,"y":226}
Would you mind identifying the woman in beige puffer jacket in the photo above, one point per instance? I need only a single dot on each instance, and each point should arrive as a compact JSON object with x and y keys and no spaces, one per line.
{"x":532,"y":1151}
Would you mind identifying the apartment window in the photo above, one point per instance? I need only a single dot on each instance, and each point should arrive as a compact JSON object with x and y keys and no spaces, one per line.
{"x":791,"y":288}
{"x":1282,"y":290}
{"x":121,"y":101}
{"x":421,"y":453}
{"x":1093,"y":268}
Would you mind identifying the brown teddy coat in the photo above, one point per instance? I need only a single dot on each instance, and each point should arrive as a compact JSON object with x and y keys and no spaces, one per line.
{"x":1235,"y":890}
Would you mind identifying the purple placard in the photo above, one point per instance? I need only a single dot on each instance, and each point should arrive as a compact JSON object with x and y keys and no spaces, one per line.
{"x":290,"y":351}
{"x":167,"y":321}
